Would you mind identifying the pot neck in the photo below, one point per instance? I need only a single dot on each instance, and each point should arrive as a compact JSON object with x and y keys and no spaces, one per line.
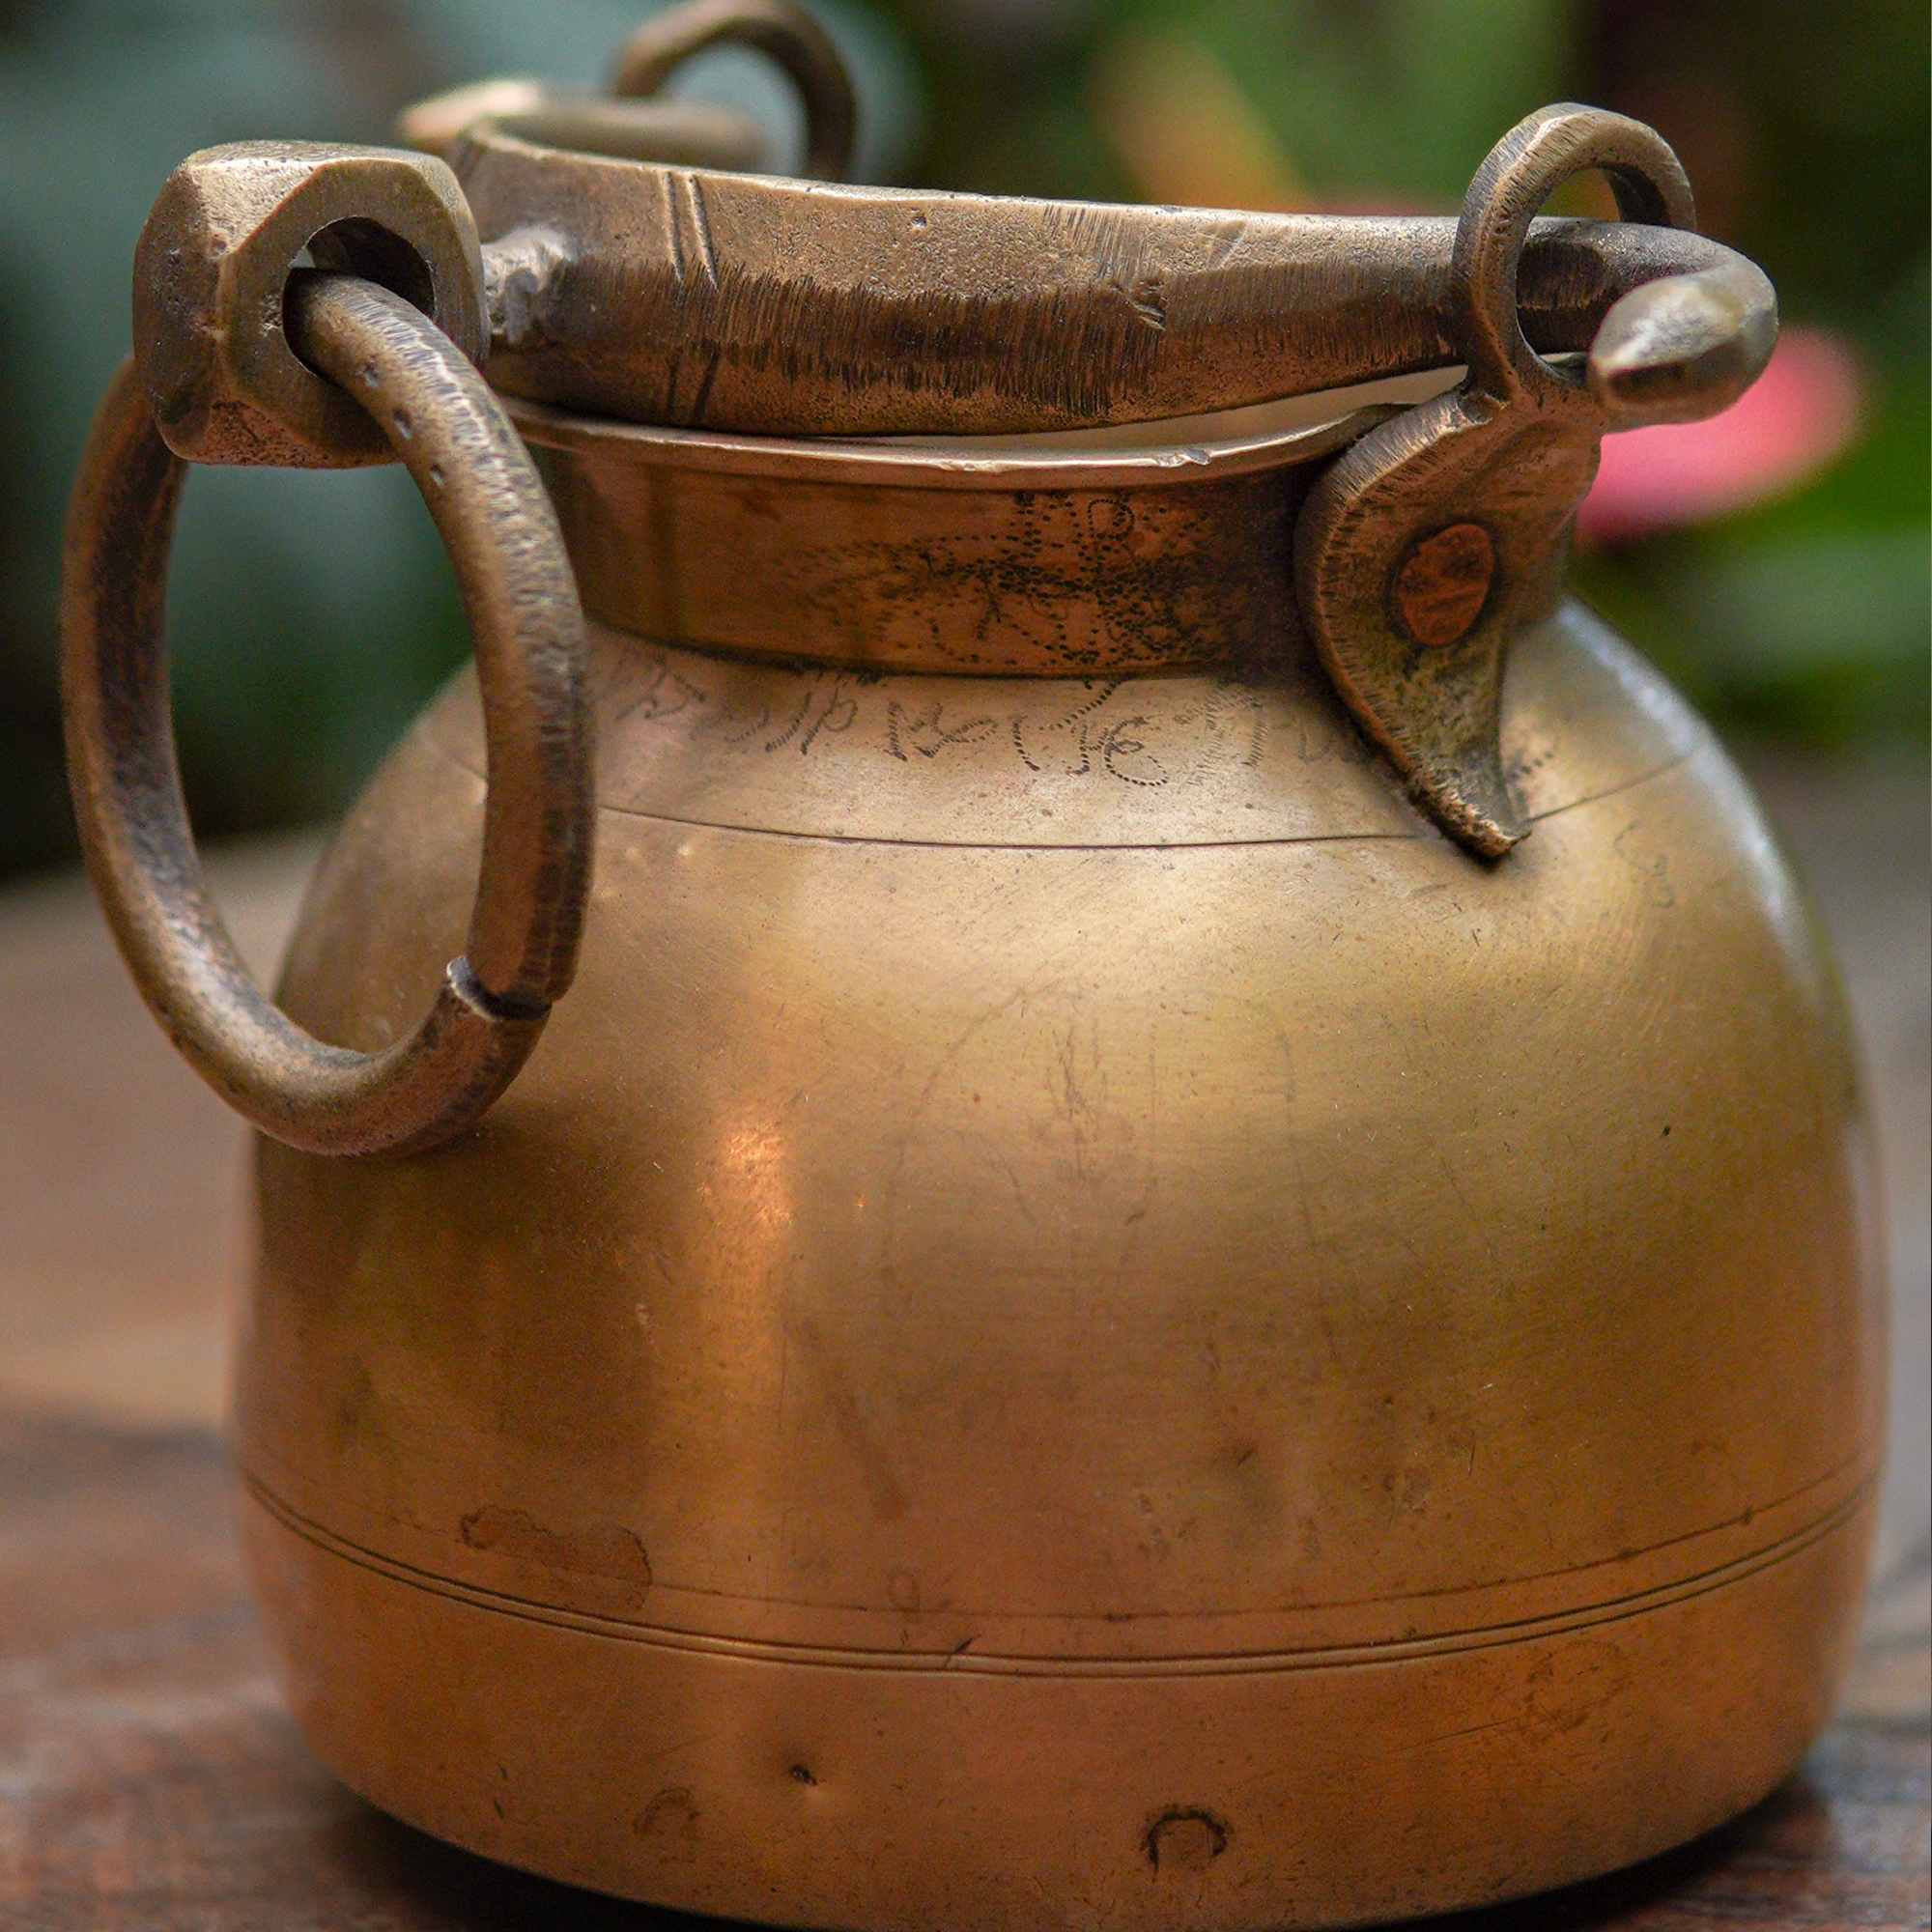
{"x":1165,"y":546}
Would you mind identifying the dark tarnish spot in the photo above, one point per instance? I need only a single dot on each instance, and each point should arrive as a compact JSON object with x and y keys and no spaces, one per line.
{"x":606,"y":1550}
{"x":1442,"y":586}
{"x":1185,"y":1838}
{"x":671,"y":1816}
{"x":1086,"y":577}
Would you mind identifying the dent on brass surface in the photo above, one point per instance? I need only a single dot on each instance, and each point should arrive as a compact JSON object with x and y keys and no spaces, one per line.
{"x":1075,"y":1304}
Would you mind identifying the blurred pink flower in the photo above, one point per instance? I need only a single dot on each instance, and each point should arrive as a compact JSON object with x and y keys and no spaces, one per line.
{"x":1794,"y":419}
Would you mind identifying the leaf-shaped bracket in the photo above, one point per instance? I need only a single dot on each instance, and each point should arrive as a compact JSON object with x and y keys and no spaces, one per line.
{"x":1423,"y":547}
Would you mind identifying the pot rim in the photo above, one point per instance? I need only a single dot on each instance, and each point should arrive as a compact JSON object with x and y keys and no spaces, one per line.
{"x":1100,"y":459}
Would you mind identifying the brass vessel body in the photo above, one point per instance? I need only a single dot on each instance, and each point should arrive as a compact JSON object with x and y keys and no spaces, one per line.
{"x":1080,"y":1321}
{"x":1049,"y":1294}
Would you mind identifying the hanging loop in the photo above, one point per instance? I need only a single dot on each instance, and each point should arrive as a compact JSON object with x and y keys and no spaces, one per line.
{"x":440,"y":418}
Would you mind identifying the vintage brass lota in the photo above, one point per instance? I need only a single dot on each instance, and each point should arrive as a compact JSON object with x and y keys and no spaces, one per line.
{"x":1197,"y":1250}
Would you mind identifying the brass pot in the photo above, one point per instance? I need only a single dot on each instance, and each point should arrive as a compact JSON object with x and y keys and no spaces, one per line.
{"x":1080,"y":1320}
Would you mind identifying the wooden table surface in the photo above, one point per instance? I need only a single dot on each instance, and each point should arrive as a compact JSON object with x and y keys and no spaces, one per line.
{"x":150,"y":1777}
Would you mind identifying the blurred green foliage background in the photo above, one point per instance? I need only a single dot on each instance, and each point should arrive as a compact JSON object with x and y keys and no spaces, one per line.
{"x":312,"y":613}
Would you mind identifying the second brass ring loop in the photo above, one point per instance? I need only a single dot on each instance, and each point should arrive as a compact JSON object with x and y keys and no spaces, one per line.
{"x":490,"y":506}
{"x":1519,"y":175}
{"x":787,"y":32}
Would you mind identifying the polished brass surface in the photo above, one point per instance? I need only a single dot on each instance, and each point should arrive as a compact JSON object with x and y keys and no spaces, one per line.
{"x":435,"y":1076}
{"x":1070,"y":1266}
{"x":1079,"y":1322}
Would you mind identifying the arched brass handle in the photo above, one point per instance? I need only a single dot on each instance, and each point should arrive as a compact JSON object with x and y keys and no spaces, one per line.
{"x":787,"y":32}
{"x":442,"y":419}
{"x":633,"y":122}
{"x":1519,"y":175}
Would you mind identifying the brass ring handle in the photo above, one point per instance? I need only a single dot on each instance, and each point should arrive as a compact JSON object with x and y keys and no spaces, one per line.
{"x":788,"y":34}
{"x":1519,"y":174}
{"x":517,"y":587}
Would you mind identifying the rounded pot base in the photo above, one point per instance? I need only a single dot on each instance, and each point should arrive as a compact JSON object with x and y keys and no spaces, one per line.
{"x":858,"y":1790}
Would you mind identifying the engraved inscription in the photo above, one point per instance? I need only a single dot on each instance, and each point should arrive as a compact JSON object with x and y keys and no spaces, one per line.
{"x":924,"y":729}
{"x":1053,"y":761}
{"x":1116,"y":728}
